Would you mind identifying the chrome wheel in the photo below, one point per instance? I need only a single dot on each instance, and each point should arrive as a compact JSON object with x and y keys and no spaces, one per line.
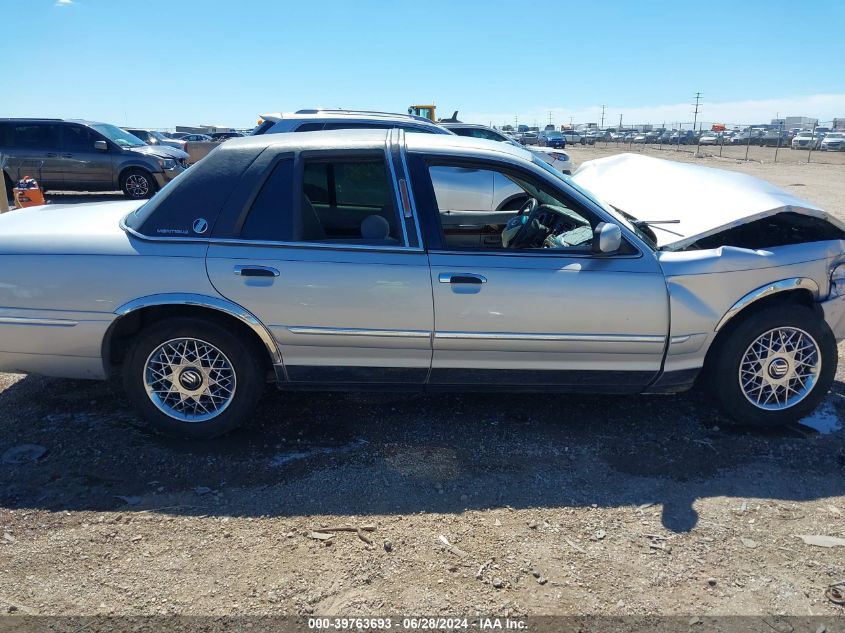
{"x":137,"y":185}
{"x":189,"y":380}
{"x":780,"y":368}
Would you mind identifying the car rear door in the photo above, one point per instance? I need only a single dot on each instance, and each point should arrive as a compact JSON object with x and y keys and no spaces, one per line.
{"x":36,"y":152}
{"x":326,"y":256}
{"x":536,"y":317}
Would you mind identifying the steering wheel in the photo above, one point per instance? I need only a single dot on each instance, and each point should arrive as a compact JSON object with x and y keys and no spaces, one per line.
{"x":529,"y":207}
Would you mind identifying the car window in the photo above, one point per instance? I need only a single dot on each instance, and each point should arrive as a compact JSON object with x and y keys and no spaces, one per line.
{"x":479,"y":209}
{"x":78,"y":138}
{"x":36,"y":136}
{"x":270,"y":217}
{"x":353,"y":125}
{"x":348,"y":201}
{"x":310,"y":127}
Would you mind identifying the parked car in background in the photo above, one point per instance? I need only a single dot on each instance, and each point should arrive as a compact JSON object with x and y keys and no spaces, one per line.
{"x":530,"y":138}
{"x":154,"y":137}
{"x":834,"y":142}
{"x":683,"y":137}
{"x":551,"y":138}
{"x":375,"y":259}
{"x":641,"y":137}
{"x":773,"y":138}
{"x":557,"y":158}
{"x":474,"y":130}
{"x":222,"y":136}
{"x":316,"y":119}
{"x":665,"y":136}
{"x":710,"y":138}
{"x":195,"y":138}
{"x":77,"y":155}
{"x":806,"y":140}
{"x":653,"y":136}
{"x":573,"y":137}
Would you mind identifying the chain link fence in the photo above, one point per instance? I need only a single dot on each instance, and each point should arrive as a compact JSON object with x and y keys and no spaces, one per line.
{"x":762,"y":143}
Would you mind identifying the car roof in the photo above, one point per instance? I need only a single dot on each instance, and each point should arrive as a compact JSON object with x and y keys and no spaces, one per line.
{"x":320,"y":114}
{"x":376,"y":139}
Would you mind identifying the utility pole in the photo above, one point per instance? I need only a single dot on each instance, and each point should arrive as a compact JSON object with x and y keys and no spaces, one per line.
{"x":550,"y":117}
{"x":695,"y":114}
{"x":602,"y":118}
{"x":620,"y":122}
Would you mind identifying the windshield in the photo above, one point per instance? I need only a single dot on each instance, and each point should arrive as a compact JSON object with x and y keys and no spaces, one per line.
{"x":622,"y":219}
{"x":159,"y":135}
{"x":554,"y":134}
{"x":118,"y":136}
{"x":836,"y":135}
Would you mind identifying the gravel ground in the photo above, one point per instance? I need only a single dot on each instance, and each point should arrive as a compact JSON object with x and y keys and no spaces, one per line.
{"x":494,"y":504}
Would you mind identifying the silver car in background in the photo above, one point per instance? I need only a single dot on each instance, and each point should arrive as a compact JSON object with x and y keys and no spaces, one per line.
{"x":356,"y":260}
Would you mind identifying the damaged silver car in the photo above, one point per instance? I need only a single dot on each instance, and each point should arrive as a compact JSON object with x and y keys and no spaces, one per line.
{"x":373,"y":259}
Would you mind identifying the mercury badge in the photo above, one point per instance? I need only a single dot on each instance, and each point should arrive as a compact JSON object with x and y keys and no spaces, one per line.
{"x":200,"y":225}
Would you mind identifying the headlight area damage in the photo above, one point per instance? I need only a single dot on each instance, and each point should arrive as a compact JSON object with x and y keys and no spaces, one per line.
{"x":705,"y":222}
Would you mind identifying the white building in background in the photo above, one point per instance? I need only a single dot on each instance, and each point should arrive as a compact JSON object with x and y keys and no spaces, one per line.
{"x":790,"y":122}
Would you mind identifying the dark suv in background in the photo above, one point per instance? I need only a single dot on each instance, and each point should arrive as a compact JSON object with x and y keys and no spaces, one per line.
{"x":72,"y":155}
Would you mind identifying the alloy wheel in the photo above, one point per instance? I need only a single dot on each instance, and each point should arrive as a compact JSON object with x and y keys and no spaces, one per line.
{"x":780,"y":368}
{"x":137,"y":185}
{"x":189,"y":380}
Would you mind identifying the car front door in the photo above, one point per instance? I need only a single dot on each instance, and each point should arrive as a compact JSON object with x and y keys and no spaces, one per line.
{"x":327,"y":261}
{"x":558,"y":316}
{"x":83,"y":165}
{"x":36,"y":153}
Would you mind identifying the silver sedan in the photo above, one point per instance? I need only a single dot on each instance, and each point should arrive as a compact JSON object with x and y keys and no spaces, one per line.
{"x":373,"y":259}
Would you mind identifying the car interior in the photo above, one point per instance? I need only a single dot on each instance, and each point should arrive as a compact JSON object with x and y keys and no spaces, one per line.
{"x":514,"y":215}
{"x":348,"y":202}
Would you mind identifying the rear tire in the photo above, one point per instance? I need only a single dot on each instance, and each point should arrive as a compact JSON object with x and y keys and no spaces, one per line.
{"x":137,"y":184}
{"x":193,"y":378}
{"x":775,"y":367}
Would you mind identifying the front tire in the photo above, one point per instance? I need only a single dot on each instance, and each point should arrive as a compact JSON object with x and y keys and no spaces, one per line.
{"x":193,"y":378}
{"x":137,"y":184}
{"x":775,"y":367}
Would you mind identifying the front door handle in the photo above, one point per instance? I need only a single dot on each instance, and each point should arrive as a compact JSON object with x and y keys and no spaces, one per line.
{"x":51,"y":154}
{"x":461,"y":278}
{"x":256,"y":271}
{"x":67,"y":155}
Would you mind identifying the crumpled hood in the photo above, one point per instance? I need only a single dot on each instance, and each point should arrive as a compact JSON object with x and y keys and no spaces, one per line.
{"x":705,"y":200}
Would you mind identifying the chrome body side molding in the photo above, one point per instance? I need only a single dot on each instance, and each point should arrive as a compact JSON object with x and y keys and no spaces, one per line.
{"x":329,"y":331}
{"x":39,"y":322}
{"x":213,"y":303}
{"x":784,"y":285}
{"x":517,"y":336}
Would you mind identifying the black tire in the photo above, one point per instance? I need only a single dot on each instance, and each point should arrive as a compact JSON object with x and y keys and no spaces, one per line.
{"x":137,"y":183}
{"x":245,"y":359}
{"x":723,"y":370}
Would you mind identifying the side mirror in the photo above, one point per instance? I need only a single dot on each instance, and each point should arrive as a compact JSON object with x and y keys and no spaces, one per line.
{"x":101,"y":145}
{"x":607,"y":238}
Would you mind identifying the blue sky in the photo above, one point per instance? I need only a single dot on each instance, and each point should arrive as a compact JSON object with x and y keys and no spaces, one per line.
{"x":161,"y":63}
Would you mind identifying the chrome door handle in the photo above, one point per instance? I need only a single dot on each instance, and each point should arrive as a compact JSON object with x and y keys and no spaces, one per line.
{"x":256,"y":271}
{"x":461,"y":278}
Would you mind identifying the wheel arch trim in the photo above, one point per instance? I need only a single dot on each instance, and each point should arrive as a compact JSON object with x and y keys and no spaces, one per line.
{"x":202,"y":301}
{"x":770,"y":289}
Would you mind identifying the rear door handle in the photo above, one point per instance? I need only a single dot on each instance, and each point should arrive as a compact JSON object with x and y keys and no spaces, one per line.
{"x":51,"y":154}
{"x":256,"y":271}
{"x":461,"y":278}
{"x":67,"y":155}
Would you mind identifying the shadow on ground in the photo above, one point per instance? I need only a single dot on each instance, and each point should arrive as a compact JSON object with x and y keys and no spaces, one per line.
{"x":361,"y":454}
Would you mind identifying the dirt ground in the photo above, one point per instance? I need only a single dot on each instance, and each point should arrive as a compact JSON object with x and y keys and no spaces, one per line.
{"x":490,"y":504}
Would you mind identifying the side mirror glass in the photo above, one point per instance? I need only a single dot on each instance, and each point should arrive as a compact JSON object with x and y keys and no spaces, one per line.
{"x":607,"y":238}
{"x":101,"y":145}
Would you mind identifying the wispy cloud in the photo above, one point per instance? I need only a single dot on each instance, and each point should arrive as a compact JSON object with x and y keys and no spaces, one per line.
{"x":825,"y":107}
{"x":63,"y":3}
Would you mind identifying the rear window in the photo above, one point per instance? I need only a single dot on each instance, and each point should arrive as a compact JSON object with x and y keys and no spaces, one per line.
{"x":269,"y":218}
{"x":35,"y":135}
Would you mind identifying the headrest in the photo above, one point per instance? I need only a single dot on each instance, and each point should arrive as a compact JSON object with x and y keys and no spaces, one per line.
{"x":375,"y":227}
